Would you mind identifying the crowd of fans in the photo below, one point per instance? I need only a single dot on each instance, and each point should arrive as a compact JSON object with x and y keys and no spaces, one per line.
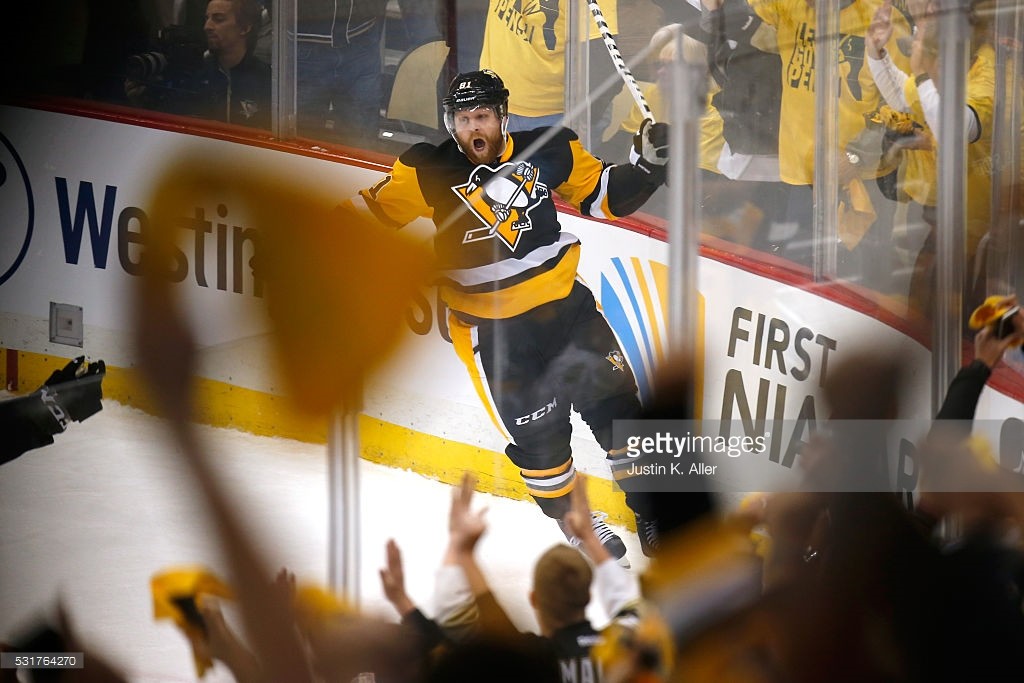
{"x":212,"y":60}
{"x":857,"y":587}
{"x":800,"y":586}
{"x":757,"y":143}
{"x":757,"y":153}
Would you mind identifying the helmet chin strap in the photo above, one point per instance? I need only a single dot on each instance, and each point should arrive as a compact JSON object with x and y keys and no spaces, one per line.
{"x":504,"y":135}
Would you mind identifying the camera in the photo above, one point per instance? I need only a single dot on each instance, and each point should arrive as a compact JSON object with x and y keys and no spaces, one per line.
{"x":179,"y":52}
{"x":1004,"y":327}
{"x":147,"y":66}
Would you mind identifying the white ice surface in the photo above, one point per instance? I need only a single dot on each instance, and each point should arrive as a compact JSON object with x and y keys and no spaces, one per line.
{"x":92,"y":517}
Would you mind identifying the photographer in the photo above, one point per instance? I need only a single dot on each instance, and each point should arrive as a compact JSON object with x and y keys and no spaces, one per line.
{"x":225,"y":83}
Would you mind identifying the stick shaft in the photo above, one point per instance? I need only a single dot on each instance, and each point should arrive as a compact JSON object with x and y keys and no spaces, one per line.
{"x":620,"y":63}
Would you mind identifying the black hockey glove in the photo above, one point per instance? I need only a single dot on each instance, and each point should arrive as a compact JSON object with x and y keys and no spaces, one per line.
{"x":71,"y":393}
{"x":650,"y":151}
{"x":77,"y":388}
{"x":74,"y":369}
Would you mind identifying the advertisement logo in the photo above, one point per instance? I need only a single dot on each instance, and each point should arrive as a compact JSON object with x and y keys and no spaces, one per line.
{"x":634,"y":298}
{"x":17,"y":213}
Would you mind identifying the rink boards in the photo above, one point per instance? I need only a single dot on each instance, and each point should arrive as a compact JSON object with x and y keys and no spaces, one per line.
{"x":74,"y":200}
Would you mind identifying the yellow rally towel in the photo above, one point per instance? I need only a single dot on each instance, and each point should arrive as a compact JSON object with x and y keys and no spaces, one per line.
{"x":177,"y":594}
{"x":855,"y":215}
{"x":983,"y":453}
{"x":316,"y":606}
{"x":753,"y":505}
{"x":641,"y":647}
{"x":990,"y":311}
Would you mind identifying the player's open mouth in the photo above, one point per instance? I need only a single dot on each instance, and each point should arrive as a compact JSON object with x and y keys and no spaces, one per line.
{"x":479,"y":145}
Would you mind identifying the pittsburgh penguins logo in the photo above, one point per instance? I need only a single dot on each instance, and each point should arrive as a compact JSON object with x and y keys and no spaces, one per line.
{"x":502,"y":199}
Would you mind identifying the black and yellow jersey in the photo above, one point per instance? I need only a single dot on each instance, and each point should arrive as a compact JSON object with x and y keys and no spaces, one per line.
{"x":499,"y":247}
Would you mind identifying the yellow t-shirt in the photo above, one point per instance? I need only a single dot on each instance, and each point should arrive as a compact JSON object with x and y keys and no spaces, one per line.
{"x":917,"y":169}
{"x":524,"y":43}
{"x":794,"y":22}
{"x":711,"y":139}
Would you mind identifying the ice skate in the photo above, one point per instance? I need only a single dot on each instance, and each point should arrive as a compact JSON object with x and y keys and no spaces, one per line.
{"x":647,"y":531}
{"x":609,"y":539}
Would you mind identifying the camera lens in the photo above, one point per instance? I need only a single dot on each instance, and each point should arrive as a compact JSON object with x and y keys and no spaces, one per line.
{"x":146,"y":66}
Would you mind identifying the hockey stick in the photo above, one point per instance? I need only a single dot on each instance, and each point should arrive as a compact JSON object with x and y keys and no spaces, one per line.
{"x":620,"y":64}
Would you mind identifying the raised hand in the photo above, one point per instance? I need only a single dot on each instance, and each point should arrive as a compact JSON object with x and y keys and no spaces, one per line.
{"x":222,"y":644}
{"x":392,"y":580}
{"x":578,"y":517}
{"x":465,"y":527}
{"x":923,"y":53}
{"x":989,"y":347}
{"x":879,"y":30}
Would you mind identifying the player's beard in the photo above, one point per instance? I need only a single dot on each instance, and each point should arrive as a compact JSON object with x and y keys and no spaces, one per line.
{"x":482,"y":149}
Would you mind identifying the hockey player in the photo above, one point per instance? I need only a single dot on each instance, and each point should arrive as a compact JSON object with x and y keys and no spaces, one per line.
{"x":72,"y":393}
{"x":529,"y":332}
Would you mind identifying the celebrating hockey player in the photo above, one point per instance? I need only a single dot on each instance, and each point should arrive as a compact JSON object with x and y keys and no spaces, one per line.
{"x":70,"y":394}
{"x":529,"y":332}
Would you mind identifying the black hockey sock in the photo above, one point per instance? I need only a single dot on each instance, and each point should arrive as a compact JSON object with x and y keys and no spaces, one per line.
{"x":555,"y":508}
